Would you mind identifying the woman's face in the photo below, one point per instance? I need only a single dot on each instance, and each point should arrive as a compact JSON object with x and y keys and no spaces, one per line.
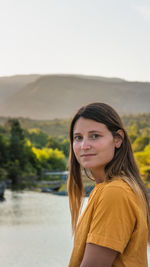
{"x":93,"y":145}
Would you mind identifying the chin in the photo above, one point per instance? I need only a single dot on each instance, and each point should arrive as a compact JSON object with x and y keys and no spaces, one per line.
{"x":88,"y":166}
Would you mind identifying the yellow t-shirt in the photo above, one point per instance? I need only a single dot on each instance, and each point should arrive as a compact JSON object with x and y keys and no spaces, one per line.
{"x":114,"y":219}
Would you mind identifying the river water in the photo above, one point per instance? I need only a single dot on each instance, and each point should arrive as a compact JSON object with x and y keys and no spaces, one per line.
{"x":35,"y":230}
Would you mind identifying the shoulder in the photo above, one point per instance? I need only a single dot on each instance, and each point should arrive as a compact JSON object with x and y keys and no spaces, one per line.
{"x":117,"y":200}
{"x":115,"y":191}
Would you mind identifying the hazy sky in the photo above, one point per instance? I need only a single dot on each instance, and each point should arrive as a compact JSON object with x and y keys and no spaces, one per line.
{"x":95,"y":37}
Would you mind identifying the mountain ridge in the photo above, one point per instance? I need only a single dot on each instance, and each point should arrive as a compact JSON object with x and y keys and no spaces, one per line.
{"x":60,"y":95}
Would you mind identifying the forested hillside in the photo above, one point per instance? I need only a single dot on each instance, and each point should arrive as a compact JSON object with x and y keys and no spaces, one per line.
{"x":27,"y":147}
{"x":60,"y":127}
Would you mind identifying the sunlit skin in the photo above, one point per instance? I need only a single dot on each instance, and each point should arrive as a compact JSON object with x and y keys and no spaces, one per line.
{"x":94,"y":146}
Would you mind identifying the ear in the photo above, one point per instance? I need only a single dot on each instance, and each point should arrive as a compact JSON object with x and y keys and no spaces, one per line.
{"x":119,"y":138}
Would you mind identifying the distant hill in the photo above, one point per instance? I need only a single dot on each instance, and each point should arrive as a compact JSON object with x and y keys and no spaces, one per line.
{"x":47,"y":97}
{"x":10,"y":85}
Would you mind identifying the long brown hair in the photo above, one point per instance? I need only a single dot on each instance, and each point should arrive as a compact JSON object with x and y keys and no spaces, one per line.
{"x":123,"y":163}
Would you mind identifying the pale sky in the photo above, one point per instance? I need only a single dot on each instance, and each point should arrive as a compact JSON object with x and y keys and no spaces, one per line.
{"x":108,"y":38}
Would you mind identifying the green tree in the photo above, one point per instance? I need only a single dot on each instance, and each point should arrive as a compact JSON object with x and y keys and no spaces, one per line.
{"x":51,"y":159}
{"x":143,"y":160}
{"x":140,"y":143}
{"x":65,"y":147}
{"x":22,"y":161}
{"x":60,"y":144}
{"x":3,"y":174}
{"x":133,"y":132}
{"x":17,"y":144}
{"x":3,"y":150}
{"x":14,"y":172}
{"x":53,"y":143}
{"x":38,"y":138}
{"x":33,"y":165}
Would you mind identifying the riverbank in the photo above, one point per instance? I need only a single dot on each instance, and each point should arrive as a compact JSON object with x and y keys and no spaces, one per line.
{"x":52,"y":184}
{"x":57,"y":187}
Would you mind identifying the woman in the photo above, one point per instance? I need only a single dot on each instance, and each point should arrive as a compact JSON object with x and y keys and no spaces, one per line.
{"x":114,"y":227}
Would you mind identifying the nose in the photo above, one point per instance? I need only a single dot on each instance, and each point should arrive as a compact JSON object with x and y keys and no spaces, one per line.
{"x":85,"y":144}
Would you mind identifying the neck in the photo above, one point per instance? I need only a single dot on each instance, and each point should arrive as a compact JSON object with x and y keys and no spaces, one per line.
{"x":98,"y":175}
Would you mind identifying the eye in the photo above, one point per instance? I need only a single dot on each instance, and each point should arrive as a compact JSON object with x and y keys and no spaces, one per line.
{"x":94,"y":136}
{"x":77,"y":138}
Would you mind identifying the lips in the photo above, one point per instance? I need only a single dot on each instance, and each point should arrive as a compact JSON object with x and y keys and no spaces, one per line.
{"x":87,"y":155}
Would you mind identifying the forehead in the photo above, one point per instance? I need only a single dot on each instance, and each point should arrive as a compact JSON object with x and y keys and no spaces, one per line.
{"x":87,"y":125}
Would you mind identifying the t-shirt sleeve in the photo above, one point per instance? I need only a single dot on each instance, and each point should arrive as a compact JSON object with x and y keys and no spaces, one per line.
{"x":113,"y":219}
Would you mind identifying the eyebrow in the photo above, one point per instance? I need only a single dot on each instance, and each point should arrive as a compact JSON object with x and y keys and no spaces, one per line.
{"x":92,"y":131}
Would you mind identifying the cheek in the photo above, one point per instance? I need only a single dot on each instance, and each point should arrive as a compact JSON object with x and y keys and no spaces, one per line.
{"x":109,"y":149}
